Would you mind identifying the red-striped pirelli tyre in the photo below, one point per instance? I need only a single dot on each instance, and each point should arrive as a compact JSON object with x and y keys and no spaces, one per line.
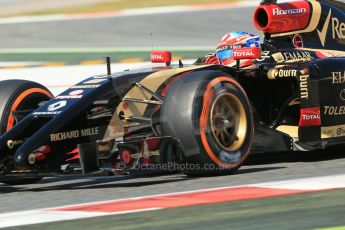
{"x":209,"y":115}
{"x":19,"y":95}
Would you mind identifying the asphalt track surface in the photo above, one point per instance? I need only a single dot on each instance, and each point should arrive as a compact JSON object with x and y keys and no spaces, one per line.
{"x":196,"y":28}
{"x":52,"y":192}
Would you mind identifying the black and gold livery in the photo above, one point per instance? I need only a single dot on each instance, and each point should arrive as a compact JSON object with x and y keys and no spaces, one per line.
{"x":205,"y":119}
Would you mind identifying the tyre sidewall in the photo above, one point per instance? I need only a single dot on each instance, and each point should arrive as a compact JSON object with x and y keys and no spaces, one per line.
{"x":181,"y":110}
{"x":10,"y":90}
{"x":234,"y":158}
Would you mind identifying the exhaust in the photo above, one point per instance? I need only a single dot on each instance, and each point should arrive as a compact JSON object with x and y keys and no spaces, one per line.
{"x":283,"y":17}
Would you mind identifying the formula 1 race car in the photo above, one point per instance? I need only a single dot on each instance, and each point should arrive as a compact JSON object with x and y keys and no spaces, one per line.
{"x":205,"y":119}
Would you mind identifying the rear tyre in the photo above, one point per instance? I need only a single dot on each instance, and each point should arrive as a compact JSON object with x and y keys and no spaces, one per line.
{"x":17,"y":98}
{"x":209,"y":114}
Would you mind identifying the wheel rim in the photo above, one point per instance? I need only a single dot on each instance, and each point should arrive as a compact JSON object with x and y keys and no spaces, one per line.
{"x":228,"y":122}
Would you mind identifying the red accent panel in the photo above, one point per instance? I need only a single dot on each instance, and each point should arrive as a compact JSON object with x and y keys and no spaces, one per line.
{"x":182,"y":199}
{"x":40,"y":156}
{"x":160,"y":56}
{"x":283,"y":17}
{"x":74,"y":151}
{"x":153,"y":144}
{"x":43,"y":149}
{"x":247,"y":53}
{"x":76,"y":157}
{"x":212,"y":59}
{"x":41,"y":152}
{"x":324,"y":54}
{"x":310,"y":117}
{"x":125,"y":106}
{"x":126,"y":156}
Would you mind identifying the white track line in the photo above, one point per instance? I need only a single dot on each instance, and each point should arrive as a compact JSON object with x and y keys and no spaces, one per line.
{"x":316,"y":183}
{"x":47,"y":215}
{"x":13,"y":219}
{"x":2,"y":64}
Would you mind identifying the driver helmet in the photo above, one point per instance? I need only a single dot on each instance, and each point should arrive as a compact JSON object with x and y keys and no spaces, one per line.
{"x":235,"y":40}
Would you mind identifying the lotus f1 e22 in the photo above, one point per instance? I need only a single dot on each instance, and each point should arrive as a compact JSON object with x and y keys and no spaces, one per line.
{"x":215,"y":115}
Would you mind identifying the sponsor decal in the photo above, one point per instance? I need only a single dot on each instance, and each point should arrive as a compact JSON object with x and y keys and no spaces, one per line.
{"x":160,"y":56}
{"x":243,"y":54}
{"x":94,"y":81}
{"x":323,"y":54}
{"x":278,"y":73}
{"x":297,"y":41}
{"x":264,"y":55}
{"x":157,"y":56}
{"x":340,"y":131}
{"x":333,"y":131}
{"x":85,"y":86}
{"x":57,"y":105}
{"x":323,"y":33}
{"x":303,"y":83}
{"x":338,"y":77}
{"x":53,"y":108}
{"x":12,"y":143}
{"x":64,"y":136}
{"x":47,"y":113}
{"x":73,"y":134}
{"x":246,"y":53}
{"x":329,"y":54}
{"x":338,"y":28}
{"x":310,"y":117}
{"x":76,"y":94}
{"x":326,"y":133}
{"x":278,"y":57}
{"x":333,"y":110}
{"x":342,"y":95}
{"x":278,"y":12}
{"x":292,"y":56}
{"x":297,"y":56}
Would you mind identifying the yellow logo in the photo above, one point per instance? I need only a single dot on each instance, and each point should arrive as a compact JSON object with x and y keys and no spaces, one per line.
{"x":323,"y":32}
{"x":338,"y":29}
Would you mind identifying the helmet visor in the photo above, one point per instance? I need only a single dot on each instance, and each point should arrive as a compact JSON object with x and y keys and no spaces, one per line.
{"x":224,"y":54}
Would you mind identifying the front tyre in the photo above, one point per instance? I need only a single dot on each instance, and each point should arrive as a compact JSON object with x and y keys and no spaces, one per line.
{"x":19,"y":96}
{"x":17,"y":99}
{"x":208,"y":112}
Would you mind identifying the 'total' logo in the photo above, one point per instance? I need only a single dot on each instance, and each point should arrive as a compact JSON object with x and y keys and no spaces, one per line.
{"x":160,"y":56}
{"x":310,"y":117}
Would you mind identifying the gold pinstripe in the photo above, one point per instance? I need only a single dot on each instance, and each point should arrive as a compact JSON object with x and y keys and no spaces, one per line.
{"x":334,"y":52}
